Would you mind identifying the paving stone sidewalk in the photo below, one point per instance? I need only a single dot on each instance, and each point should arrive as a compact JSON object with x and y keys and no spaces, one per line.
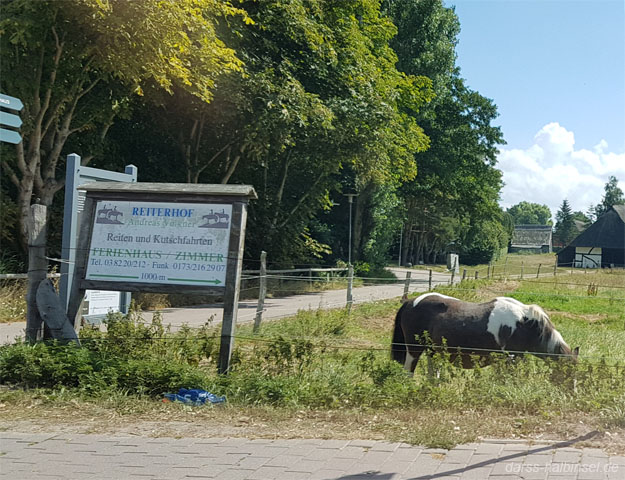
{"x":77,"y":456}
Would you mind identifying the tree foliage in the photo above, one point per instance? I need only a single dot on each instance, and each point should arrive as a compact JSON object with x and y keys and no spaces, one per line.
{"x":305,"y":100}
{"x":456,"y":191}
{"x":613,"y":196}
{"x":74,"y":64}
{"x":527,"y":213}
{"x":565,"y":228}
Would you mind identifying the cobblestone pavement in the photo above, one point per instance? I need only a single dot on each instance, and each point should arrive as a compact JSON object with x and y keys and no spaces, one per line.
{"x":78,"y":456}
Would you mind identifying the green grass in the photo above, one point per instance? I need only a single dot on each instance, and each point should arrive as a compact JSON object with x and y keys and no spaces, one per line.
{"x":336,"y":361}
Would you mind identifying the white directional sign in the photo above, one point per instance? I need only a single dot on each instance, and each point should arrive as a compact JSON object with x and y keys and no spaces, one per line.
{"x":9,"y":119}
{"x":9,"y":136}
{"x":160,"y":243}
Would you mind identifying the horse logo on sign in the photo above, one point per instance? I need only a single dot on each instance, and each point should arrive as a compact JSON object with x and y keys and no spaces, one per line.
{"x":109,"y":216}
{"x":216,"y":220}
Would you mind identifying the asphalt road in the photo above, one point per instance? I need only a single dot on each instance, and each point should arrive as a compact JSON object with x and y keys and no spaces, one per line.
{"x":274,"y":307}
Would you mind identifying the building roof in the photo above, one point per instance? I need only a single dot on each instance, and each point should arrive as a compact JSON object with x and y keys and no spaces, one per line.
{"x":579,"y":225}
{"x":531,"y":236}
{"x":607,"y":232}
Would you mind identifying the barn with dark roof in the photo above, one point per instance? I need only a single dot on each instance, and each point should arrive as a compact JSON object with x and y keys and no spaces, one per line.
{"x":600,"y":245}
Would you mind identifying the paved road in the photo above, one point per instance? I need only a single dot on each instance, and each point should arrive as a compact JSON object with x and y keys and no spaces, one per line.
{"x":78,"y":456}
{"x":274,"y":307}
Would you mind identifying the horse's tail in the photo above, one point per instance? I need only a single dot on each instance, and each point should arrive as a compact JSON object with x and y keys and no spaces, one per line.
{"x":398,"y":347}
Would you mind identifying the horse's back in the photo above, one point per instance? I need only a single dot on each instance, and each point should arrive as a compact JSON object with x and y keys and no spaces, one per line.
{"x":460,"y":323}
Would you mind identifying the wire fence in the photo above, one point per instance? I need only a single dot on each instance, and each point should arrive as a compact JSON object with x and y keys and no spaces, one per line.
{"x":607,"y":361}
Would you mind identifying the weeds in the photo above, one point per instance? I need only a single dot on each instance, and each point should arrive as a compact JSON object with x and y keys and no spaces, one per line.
{"x":12,"y":301}
{"x":312,"y":361}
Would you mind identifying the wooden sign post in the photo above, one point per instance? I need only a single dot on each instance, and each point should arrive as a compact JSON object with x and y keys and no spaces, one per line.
{"x":165,"y":238}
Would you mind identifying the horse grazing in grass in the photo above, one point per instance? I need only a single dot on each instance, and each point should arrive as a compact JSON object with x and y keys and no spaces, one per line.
{"x":434,"y":321}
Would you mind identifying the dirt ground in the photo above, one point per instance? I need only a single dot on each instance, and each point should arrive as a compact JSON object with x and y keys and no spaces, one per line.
{"x":436,"y":428}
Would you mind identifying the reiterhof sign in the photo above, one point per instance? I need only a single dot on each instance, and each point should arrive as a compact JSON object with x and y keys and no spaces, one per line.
{"x":162,"y":243}
{"x":163,"y":237}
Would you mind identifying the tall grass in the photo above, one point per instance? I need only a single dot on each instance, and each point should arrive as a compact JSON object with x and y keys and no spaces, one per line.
{"x":339,"y":361}
{"x":12,"y":301}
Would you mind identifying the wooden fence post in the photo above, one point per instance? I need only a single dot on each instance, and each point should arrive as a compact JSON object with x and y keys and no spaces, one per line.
{"x":505,"y":266}
{"x":430,"y":280}
{"x":232,"y":284}
{"x":407,"y":285}
{"x":350,"y":283}
{"x":538,"y":271}
{"x":453,"y":275}
{"x":522,"y":268}
{"x":464,"y":274}
{"x":262,"y":290}
{"x":476,"y":275}
{"x":492,"y":273}
{"x":37,"y":268}
{"x":555,"y":267}
{"x":488,"y":270}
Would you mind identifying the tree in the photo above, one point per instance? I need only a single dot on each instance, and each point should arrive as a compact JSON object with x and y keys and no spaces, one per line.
{"x":457,"y":182}
{"x":565,"y":228}
{"x":526,"y":213}
{"x":75,"y":63}
{"x":321,"y":102}
{"x":613,"y":196}
{"x":485,"y":240}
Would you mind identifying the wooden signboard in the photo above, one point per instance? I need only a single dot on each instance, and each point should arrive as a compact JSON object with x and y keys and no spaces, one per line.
{"x":166,"y":238}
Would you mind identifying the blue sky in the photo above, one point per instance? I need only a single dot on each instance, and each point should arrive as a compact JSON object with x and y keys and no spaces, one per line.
{"x":556,"y":71}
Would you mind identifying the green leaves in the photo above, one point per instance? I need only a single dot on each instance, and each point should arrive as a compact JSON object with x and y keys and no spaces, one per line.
{"x":527,"y":213}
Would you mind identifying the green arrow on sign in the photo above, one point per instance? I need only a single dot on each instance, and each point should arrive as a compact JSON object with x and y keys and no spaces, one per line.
{"x":10,"y":120}
{"x":11,"y":103}
{"x":216,"y":282}
{"x":10,"y":136}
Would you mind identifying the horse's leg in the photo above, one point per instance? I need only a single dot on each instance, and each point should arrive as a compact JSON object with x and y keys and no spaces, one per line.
{"x":412,"y":357}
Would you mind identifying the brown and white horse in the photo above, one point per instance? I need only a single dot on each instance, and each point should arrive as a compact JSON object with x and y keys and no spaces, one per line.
{"x":503,"y":325}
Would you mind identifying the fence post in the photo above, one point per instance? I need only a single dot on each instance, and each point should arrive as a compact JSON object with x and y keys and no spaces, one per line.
{"x":476,"y":275}
{"x":453,"y":274}
{"x":350,"y":283}
{"x":488,"y":270}
{"x":538,"y":271}
{"x":464,"y":274}
{"x":430,"y":280}
{"x":492,"y":273}
{"x":37,"y":267}
{"x":262,"y":290}
{"x":522,"y":267}
{"x":505,"y":266}
{"x":555,"y":267}
{"x":310,"y":279}
{"x":407,"y":285}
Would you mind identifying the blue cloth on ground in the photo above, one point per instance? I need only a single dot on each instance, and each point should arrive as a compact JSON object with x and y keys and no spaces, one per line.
{"x":194,"y":396}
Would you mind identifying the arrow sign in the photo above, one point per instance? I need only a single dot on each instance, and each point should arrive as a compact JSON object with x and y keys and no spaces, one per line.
{"x":11,"y":103}
{"x":216,"y":281}
{"x":10,"y":120}
{"x":10,"y":136}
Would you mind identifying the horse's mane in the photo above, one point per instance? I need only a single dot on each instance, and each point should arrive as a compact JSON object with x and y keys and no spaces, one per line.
{"x":536,"y":313}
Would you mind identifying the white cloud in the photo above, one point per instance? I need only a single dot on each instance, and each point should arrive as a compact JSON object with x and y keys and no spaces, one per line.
{"x":552,"y":170}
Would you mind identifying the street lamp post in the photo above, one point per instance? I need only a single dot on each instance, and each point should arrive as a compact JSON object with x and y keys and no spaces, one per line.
{"x":350,"y":199}
{"x":401,"y":236}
